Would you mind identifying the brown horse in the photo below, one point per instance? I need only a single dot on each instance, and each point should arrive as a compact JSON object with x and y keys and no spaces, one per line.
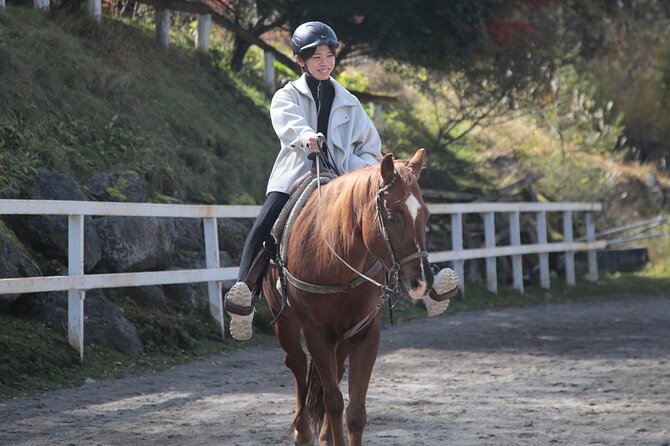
{"x":338,"y":312}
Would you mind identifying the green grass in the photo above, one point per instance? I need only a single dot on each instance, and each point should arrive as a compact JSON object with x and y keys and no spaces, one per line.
{"x":37,"y":358}
{"x":82,"y":97}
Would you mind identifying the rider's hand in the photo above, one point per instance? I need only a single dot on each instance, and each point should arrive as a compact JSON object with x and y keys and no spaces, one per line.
{"x":315,"y":142}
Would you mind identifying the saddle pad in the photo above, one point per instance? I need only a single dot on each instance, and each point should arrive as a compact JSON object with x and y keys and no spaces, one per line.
{"x":281,"y":230}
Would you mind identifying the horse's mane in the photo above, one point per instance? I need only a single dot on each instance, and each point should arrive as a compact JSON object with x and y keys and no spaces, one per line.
{"x":338,"y":216}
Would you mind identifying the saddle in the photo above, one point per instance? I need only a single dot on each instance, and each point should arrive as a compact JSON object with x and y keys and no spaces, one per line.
{"x":299,"y":193}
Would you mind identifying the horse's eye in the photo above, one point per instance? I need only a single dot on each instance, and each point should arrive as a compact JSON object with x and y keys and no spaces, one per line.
{"x":393,"y":217}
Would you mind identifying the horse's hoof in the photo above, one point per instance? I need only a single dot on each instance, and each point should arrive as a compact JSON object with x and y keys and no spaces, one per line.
{"x":308,"y":442}
{"x":240,"y":326}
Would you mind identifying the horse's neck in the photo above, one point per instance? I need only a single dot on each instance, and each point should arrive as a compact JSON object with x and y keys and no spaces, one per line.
{"x":319,"y":260}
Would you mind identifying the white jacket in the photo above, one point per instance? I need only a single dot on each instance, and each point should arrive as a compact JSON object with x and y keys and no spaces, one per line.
{"x":353,"y":141}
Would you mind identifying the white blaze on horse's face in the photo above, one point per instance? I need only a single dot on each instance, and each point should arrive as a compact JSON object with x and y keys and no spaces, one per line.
{"x":414,"y":206}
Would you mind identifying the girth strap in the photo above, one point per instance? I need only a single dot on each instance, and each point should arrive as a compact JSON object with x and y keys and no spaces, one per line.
{"x":332,"y":289}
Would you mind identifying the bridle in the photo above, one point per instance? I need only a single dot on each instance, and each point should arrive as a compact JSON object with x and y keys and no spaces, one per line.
{"x":392,"y":273}
{"x":393,"y":285}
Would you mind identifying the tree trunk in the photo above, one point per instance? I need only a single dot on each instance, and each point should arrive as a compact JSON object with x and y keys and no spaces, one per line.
{"x":240,"y":48}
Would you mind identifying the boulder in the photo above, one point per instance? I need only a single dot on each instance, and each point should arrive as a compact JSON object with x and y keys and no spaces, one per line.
{"x":232,"y":235}
{"x":135,"y":243}
{"x":151,"y":296}
{"x":190,"y":297}
{"x":126,"y":186}
{"x":15,"y":261}
{"x":48,"y":234}
{"x":104,"y":322}
{"x":189,"y":234}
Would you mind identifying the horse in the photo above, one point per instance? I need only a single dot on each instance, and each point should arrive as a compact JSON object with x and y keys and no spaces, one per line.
{"x":369,"y":222}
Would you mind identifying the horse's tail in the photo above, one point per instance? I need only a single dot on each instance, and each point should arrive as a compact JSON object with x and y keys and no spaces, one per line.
{"x":314,"y":398}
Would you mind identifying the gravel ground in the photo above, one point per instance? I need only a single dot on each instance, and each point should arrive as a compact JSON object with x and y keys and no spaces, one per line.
{"x":594,"y":373}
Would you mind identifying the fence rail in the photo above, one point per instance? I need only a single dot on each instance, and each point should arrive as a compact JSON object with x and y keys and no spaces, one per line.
{"x":76,"y":282}
{"x":488,"y":210}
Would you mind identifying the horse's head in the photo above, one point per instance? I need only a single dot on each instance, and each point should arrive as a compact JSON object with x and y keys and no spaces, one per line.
{"x":402,"y":214}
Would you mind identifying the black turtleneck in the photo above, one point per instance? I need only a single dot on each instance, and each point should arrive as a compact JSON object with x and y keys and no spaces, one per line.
{"x":323,"y":93}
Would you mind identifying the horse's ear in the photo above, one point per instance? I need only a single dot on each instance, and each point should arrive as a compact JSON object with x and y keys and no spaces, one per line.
{"x":416,"y":162}
{"x":387,"y":168}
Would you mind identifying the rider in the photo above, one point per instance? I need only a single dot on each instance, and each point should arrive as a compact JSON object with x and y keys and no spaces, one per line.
{"x":305,"y":113}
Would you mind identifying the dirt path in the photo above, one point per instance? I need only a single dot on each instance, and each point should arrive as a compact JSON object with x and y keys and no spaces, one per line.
{"x":569,"y":374}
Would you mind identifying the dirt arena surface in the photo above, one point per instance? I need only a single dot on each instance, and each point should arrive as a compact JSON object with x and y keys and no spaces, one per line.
{"x":594,"y":373}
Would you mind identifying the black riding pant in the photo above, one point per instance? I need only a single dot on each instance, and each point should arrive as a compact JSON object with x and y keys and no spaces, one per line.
{"x":260,"y":231}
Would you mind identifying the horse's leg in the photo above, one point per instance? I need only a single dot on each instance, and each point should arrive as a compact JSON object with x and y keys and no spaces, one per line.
{"x":288,"y":334}
{"x":341,"y":353}
{"x":362,"y":356}
{"x":325,"y":358}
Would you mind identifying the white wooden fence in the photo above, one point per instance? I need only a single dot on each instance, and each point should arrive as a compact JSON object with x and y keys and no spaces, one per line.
{"x":76,"y":282}
{"x":458,"y":255}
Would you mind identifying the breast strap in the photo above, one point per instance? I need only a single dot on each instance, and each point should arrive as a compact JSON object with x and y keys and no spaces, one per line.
{"x":332,"y":289}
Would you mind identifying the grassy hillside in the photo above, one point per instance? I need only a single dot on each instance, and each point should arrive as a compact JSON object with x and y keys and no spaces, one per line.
{"x":82,"y":97}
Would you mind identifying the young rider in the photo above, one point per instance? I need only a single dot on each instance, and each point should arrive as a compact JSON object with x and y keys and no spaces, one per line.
{"x":305,"y":113}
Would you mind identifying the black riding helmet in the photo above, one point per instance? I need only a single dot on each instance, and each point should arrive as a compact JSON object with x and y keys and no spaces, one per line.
{"x":312,"y":34}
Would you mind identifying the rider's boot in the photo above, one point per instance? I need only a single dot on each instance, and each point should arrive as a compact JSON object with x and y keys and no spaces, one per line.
{"x":446,"y":281}
{"x":238,"y":301}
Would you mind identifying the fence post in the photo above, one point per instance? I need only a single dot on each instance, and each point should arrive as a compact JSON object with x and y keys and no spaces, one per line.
{"x":515,"y":240}
{"x":457,"y":245}
{"x":543,"y":256}
{"x":378,"y":116}
{"x":95,"y":9}
{"x":269,"y":70}
{"x":42,"y":5}
{"x":163,"y":27}
{"x":592,"y":254}
{"x":203,"y":31}
{"x":490,"y":242}
{"x":75,"y":298}
{"x":212,"y":261}
{"x":569,"y":255}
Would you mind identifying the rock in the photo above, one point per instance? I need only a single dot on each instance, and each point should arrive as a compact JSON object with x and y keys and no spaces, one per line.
{"x":189,"y":297}
{"x":104,"y":322}
{"x":127,"y":186}
{"x":232,"y":235}
{"x":151,"y":296}
{"x":15,"y":261}
{"x":135,"y":243}
{"x":48,"y":234}
{"x":189,"y":234}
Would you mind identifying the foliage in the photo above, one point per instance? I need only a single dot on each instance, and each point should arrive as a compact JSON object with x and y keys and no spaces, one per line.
{"x":353,"y":80}
{"x":82,"y":97}
{"x":576,"y":120}
{"x":17,"y":164}
{"x":631,"y":68}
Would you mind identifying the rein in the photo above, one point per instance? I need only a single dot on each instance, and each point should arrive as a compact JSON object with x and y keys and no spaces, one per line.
{"x":394,"y":285}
